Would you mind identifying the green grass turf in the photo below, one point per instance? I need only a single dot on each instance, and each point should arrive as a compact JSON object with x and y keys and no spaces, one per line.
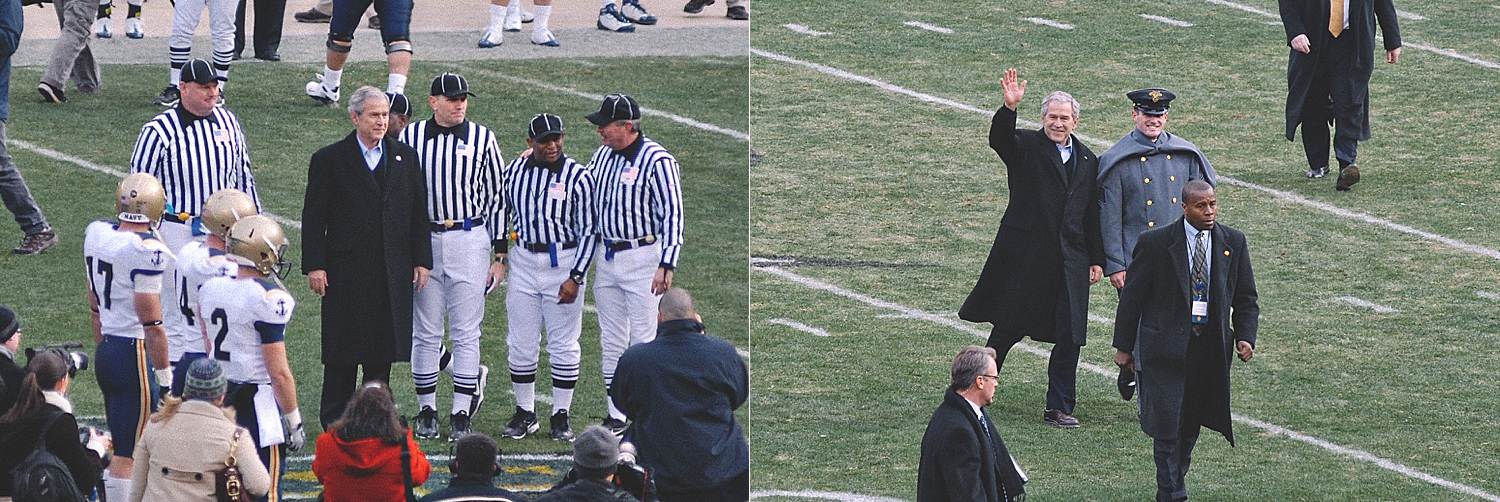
{"x":284,"y":127}
{"x":854,"y":173}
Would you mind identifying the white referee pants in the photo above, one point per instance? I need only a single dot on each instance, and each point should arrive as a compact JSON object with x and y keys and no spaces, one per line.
{"x":187,"y":13}
{"x":531,"y":307}
{"x":627,"y":308}
{"x":460,"y":268}
{"x":175,"y":236}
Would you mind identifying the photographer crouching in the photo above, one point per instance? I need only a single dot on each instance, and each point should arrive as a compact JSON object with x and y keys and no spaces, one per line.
{"x":42,"y":418}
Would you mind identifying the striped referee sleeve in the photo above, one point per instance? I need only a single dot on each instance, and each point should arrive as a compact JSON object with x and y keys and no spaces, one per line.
{"x":639,"y":196}
{"x":463,"y":171}
{"x":196,"y":160}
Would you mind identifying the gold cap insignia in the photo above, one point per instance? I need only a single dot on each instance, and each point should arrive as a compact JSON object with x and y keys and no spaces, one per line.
{"x":1155,"y":95}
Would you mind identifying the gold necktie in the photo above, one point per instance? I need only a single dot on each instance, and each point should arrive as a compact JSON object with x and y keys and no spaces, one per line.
{"x":1336,"y":17}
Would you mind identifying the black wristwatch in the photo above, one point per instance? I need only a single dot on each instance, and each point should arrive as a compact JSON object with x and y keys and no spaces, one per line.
{"x":577,"y":277}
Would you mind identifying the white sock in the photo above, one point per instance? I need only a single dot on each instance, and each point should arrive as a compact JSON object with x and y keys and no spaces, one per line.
{"x":176,"y":76}
{"x":497,"y":15}
{"x":542,"y":13}
{"x":525,"y":395}
{"x":562,"y":399}
{"x":427,"y":401}
{"x":396,"y":83}
{"x":116,"y":488}
{"x":514,"y":9}
{"x":614,"y":412}
{"x":461,"y":402}
{"x":606,"y":3}
{"x":331,"y":78}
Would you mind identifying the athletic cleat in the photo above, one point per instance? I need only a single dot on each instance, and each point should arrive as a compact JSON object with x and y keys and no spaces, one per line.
{"x":738,"y":13}
{"x":521,"y":424}
{"x":561,"y":430}
{"x":427,"y":424}
{"x":696,"y":6}
{"x":611,"y":20}
{"x":133,"y":28}
{"x":633,"y":11}
{"x":484,"y":378}
{"x":616,"y":426}
{"x":169,"y":96}
{"x":544,"y":38}
{"x":322,"y":94}
{"x":1317,"y":172}
{"x":527,"y":17}
{"x":51,"y":94}
{"x":458,"y":426}
{"x":512,"y":21}
{"x":101,"y":28}
{"x":491,"y":40}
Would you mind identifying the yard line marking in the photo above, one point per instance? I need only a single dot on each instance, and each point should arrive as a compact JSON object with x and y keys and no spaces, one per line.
{"x":444,"y":457}
{"x":1100,"y":319}
{"x":744,"y":354}
{"x":929,"y":27}
{"x":1355,"y":301}
{"x":1112,"y":374}
{"x":805,"y":30}
{"x":798,"y":326}
{"x":597,"y":97}
{"x":814,"y":494}
{"x":1404,"y":43}
{"x":118,"y":173}
{"x":1410,"y":15}
{"x":1487,"y":294}
{"x":1048,"y":22}
{"x":1279,"y":194}
{"x":1167,"y":20}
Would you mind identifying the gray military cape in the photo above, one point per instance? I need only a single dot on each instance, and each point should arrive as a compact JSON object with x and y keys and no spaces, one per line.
{"x":1134,"y":193}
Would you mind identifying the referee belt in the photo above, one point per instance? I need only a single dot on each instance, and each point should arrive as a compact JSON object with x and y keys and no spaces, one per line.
{"x":613,"y":246}
{"x":465,"y":224}
{"x":545,"y":247}
{"x":192,"y":221}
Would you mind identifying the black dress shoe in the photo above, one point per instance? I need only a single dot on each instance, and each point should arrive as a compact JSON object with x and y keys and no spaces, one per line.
{"x":269,"y":56}
{"x":1348,"y":176}
{"x":312,"y":16}
{"x":235,"y":57}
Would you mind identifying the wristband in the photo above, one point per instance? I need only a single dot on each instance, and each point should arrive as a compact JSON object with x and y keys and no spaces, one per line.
{"x":151,"y":323}
{"x":293,"y":418}
{"x":163,"y":376}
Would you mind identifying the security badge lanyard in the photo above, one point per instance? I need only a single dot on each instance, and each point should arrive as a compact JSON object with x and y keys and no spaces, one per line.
{"x":1200,"y":304}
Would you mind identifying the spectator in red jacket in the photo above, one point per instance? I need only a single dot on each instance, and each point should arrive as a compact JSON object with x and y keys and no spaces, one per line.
{"x":359,"y":458}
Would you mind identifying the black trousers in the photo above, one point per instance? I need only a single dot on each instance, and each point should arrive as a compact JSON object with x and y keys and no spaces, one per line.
{"x":1172,"y":460}
{"x":339,"y":383}
{"x":268,"y":19}
{"x":736,"y":490}
{"x":1331,"y":100}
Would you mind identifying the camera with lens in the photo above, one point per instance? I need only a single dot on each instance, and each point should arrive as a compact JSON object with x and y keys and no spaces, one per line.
{"x":77,"y":360}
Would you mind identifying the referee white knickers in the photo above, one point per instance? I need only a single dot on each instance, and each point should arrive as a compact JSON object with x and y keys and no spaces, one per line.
{"x":175,"y":235}
{"x":185,"y":16}
{"x":460,"y":269}
{"x":531,"y":305}
{"x":622,"y":295}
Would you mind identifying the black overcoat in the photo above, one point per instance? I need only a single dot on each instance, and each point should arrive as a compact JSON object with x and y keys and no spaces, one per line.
{"x":1310,"y":17}
{"x":369,"y":237}
{"x":1155,"y":312}
{"x":1047,"y":239}
{"x":957,"y":464}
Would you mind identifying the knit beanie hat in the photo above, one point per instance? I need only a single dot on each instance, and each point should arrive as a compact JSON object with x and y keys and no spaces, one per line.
{"x":9,"y":324}
{"x":596,"y":448}
{"x":205,"y":380}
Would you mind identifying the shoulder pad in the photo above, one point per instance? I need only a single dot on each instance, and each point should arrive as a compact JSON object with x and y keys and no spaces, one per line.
{"x":270,"y":286}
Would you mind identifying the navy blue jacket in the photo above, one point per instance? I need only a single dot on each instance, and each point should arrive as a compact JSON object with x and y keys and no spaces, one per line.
{"x":471,"y":489}
{"x":12,"y":20}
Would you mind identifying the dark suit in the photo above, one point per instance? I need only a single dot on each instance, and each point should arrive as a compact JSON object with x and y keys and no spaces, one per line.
{"x":1184,"y":379}
{"x":368,"y":231}
{"x":269,"y":15}
{"x":1035,"y":282}
{"x":1332,"y":81}
{"x":959,"y":464}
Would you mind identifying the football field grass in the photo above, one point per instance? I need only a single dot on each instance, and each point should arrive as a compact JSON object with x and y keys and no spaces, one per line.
{"x":875,"y":200}
{"x":68,"y":154}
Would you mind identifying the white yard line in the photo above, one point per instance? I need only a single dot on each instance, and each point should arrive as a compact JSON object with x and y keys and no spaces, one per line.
{"x":1487,"y":295}
{"x":805,"y":30}
{"x":1049,"y":22}
{"x":1404,"y":43}
{"x":1278,"y":194}
{"x":1167,"y":20}
{"x":814,"y":494}
{"x":1355,"y":301}
{"x":1243,"y":7}
{"x":929,"y":27}
{"x":1410,"y":15}
{"x":1111,"y":374}
{"x":798,"y":326}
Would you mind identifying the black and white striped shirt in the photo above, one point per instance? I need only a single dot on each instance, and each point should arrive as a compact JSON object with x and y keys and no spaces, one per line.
{"x":639,"y":196}
{"x":462,"y":166}
{"x":194,"y":159}
{"x":546,"y":207}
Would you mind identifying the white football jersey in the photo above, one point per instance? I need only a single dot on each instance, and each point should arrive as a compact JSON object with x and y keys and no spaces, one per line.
{"x":241,"y":315}
{"x":121,"y":264}
{"x":196,"y":264}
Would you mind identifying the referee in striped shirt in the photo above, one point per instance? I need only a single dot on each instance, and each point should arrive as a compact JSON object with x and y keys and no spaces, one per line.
{"x":195,"y":148}
{"x":549,"y":200}
{"x":462,"y":163}
{"x":638,"y":201}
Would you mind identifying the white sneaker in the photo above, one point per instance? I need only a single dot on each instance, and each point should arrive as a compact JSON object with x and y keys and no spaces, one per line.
{"x":611,"y":20}
{"x":101,"y":28}
{"x":633,"y":11}
{"x":514,"y":18}
{"x":527,"y":17}
{"x":484,"y":379}
{"x":544,"y":38}
{"x":133,"y":28}
{"x":491,"y":39}
{"x":324,"y":95}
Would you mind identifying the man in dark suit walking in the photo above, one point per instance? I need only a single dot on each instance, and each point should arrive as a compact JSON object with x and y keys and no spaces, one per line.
{"x":963,"y":457}
{"x":1047,"y":252}
{"x":365,"y":249}
{"x":1188,"y":306}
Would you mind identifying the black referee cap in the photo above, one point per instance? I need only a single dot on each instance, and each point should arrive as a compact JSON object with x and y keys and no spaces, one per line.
{"x":451,"y":85}
{"x":399,"y":104}
{"x":616,"y":107}
{"x":199,"y":71}
{"x":544,"y":125}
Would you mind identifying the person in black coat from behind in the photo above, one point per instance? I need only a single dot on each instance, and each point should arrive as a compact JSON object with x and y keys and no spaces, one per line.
{"x":42,"y":396}
{"x":10,"y":374}
{"x":473,"y":467}
{"x":963,"y":457}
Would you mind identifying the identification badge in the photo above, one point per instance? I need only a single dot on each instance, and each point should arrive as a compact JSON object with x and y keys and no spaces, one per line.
{"x":462,"y":150}
{"x":628,"y":174}
{"x":1200,"y":312}
{"x":221,"y":136}
{"x":556,"y":190}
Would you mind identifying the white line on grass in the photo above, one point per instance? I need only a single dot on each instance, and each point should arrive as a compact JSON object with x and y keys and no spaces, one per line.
{"x":1279,"y":194}
{"x":1404,"y":43}
{"x":596,"y":97}
{"x":1243,"y":7}
{"x":1355,"y":301}
{"x":814,"y":494}
{"x":798,"y":326}
{"x":1410,"y":15}
{"x":805,"y":30}
{"x":928,"y":27}
{"x":1112,"y":374}
{"x":1167,"y":20}
{"x":1488,"y":295}
{"x":1048,"y":22}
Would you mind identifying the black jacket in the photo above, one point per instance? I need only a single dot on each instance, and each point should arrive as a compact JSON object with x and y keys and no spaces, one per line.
{"x":11,"y":376}
{"x":1310,"y":17}
{"x":586,"y":490}
{"x":958,"y":464}
{"x":17,"y":440}
{"x":465,"y":488}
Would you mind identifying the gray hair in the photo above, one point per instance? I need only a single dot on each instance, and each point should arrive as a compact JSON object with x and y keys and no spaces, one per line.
{"x":969,"y":364}
{"x":676,"y":303}
{"x":1062,"y":97}
{"x":1194,"y":187}
{"x":357,"y":100}
{"x":635,"y":125}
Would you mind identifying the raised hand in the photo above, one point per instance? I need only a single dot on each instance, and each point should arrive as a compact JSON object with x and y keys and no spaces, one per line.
{"x":1013,"y":89}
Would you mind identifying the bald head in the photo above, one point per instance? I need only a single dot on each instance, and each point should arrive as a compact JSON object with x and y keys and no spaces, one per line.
{"x":1195,"y":187}
{"x":676,"y":304}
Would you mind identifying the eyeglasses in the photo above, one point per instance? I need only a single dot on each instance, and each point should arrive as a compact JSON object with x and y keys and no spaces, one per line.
{"x":995,"y":377}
